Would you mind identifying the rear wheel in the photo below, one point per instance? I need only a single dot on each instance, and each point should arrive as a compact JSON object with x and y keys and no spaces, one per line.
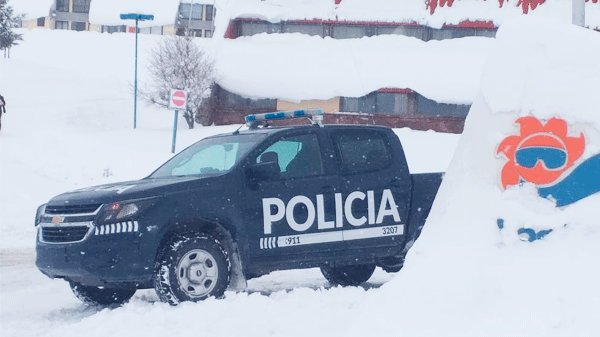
{"x":101,"y":296}
{"x":192,"y":267}
{"x":348,"y":275}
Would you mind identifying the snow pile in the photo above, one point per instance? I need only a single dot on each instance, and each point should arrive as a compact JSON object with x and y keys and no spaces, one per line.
{"x":446,"y":71}
{"x":466,"y":276}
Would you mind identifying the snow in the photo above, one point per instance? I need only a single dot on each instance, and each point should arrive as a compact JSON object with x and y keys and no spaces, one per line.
{"x":32,"y":9}
{"x":465,"y":276}
{"x":406,"y":11}
{"x":106,"y":12}
{"x":69,"y":125}
{"x":321,"y":65}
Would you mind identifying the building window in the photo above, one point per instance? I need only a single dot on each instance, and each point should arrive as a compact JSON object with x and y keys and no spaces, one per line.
{"x":348,"y":32}
{"x":190,"y":11}
{"x":78,"y":26}
{"x":81,"y":6}
{"x":208,"y":33}
{"x":309,"y":29}
{"x":251,"y":28}
{"x":210,"y":12}
{"x":486,"y":32}
{"x":392,"y":103}
{"x":61,"y":25}
{"x":452,"y":33}
{"x":156,"y":30}
{"x":231,"y":100}
{"x":113,"y":29}
{"x":418,"y":32}
{"x":41,"y":22}
{"x":62,"y":6}
{"x":365,"y":104}
{"x":430,"y":107}
{"x":195,"y":32}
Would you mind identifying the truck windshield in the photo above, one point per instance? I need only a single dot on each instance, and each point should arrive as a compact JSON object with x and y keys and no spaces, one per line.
{"x":210,"y":156}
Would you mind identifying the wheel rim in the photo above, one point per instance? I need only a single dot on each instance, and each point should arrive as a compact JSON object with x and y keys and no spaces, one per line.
{"x":197,"y":273}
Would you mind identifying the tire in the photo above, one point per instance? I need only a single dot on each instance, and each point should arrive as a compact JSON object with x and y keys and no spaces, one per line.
{"x":101,"y":296}
{"x":192,"y":267}
{"x":348,"y":275}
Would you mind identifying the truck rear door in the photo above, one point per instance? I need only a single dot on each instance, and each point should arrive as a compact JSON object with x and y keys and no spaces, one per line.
{"x":375,"y":185}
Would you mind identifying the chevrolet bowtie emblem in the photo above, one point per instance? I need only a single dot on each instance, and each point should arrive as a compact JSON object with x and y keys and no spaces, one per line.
{"x":57,"y":219}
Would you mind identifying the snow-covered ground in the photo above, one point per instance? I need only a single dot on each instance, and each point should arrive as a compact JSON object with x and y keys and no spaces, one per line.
{"x":69,"y":125}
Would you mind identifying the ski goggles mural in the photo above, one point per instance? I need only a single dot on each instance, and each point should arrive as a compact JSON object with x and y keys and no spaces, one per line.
{"x":543,"y":154}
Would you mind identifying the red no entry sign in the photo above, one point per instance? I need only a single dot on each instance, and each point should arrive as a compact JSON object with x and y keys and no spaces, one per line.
{"x":178,"y":99}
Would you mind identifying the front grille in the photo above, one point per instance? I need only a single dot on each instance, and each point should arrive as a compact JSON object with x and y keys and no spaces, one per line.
{"x":72,"y":209}
{"x":64,"y":234}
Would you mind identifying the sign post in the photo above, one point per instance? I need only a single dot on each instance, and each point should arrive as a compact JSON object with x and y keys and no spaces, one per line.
{"x":177,"y":101}
{"x":136,"y":17}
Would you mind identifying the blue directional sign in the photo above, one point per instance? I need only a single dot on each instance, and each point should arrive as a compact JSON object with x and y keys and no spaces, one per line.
{"x":135,"y":16}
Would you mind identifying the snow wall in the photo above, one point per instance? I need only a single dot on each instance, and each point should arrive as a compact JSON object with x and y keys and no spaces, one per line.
{"x":496,"y":261}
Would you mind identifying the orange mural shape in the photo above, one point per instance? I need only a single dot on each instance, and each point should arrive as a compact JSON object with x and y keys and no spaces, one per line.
{"x":546,"y":152}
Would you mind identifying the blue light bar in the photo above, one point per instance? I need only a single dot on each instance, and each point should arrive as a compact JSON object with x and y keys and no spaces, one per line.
{"x":270,"y":116}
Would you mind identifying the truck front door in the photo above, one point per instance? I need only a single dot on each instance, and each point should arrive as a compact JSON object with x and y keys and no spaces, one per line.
{"x":290,"y":200}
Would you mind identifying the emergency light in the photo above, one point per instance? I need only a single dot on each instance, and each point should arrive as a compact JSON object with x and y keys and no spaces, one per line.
{"x":316,"y":115}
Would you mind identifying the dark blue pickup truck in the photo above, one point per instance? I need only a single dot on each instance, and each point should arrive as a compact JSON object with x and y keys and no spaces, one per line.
{"x":237,"y":206}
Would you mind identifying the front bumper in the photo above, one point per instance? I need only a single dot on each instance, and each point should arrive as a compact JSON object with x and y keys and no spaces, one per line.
{"x":102,"y":258}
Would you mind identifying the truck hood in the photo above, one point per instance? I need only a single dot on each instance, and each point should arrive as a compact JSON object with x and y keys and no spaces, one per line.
{"x":127,"y":190}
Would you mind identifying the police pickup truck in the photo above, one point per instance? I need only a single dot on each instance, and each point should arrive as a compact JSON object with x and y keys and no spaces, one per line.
{"x":237,"y":206}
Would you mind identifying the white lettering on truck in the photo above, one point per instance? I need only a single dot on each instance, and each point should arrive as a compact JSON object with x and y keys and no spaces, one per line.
{"x":343,"y":209}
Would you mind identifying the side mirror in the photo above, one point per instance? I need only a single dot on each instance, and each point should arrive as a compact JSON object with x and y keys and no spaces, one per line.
{"x":263,"y":171}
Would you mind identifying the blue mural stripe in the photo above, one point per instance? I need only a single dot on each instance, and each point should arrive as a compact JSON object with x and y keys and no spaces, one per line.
{"x":582,"y":182}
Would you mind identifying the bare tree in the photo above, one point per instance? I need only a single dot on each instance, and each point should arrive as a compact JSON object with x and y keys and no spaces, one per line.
{"x":178,"y":63}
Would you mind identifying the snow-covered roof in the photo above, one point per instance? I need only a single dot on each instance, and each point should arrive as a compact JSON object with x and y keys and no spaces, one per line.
{"x":416,"y":11}
{"x":258,"y":66}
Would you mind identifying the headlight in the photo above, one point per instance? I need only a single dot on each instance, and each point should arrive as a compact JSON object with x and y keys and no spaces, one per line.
{"x":125,"y":210}
{"x":38,"y":215}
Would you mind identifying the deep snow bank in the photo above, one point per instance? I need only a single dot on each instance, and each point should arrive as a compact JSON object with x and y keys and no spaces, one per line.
{"x":467,"y":277}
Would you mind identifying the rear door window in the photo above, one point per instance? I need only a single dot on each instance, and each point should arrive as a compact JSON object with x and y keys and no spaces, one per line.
{"x":362,"y":150}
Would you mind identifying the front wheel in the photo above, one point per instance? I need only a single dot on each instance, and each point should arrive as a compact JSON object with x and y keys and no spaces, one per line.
{"x":192,"y":267}
{"x":101,"y":296}
{"x":348,"y":275}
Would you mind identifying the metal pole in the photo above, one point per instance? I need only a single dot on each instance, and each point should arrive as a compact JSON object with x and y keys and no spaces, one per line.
{"x":174,"y":131}
{"x":190,"y":19}
{"x":579,"y":12}
{"x":135,"y":81}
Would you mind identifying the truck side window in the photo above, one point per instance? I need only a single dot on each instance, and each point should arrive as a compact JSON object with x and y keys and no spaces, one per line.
{"x":297,"y":156}
{"x":362,"y":151}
